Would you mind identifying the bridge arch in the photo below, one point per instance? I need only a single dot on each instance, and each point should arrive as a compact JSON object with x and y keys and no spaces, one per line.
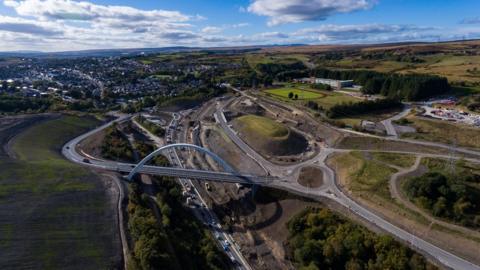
{"x":155,"y":153}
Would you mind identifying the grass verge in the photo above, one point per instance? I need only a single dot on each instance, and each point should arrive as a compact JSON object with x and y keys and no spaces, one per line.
{"x":444,"y":132}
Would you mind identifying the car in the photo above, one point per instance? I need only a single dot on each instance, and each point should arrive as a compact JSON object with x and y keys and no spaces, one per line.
{"x":225,"y":242}
{"x":86,"y":160}
{"x":225,"y":248}
{"x":232,"y":259}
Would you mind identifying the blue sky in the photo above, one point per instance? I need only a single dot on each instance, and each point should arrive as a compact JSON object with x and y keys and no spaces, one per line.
{"x":60,"y":25}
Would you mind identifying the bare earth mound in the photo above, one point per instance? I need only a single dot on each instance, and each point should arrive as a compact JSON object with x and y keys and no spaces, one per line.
{"x":311,"y":177}
{"x":269,"y":137}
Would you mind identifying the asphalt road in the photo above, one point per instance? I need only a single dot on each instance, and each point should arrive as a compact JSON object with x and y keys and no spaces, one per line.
{"x":329,"y":189}
{"x":387,"y":123}
{"x":332,"y":191}
{"x":205,"y":214}
{"x":200,"y":209}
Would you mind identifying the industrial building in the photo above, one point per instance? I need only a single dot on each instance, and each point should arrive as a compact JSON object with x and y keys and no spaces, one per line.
{"x":337,"y":84}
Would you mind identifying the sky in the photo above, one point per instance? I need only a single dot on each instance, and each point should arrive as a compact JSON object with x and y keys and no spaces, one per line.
{"x":66,"y":25}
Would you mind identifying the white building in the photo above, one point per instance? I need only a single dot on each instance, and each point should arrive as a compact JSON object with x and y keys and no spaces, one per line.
{"x":337,"y":84}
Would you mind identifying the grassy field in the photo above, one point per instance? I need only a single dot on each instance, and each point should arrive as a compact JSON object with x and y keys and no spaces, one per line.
{"x":257,"y":58}
{"x":269,"y":137}
{"x":55,"y":214}
{"x":445,"y":165}
{"x":367,"y":181}
{"x":302,"y":94}
{"x":43,"y":142}
{"x":454,"y":67}
{"x":263,"y":126}
{"x":367,"y":177}
{"x":325,"y":99}
{"x":400,"y":160}
{"x":444,"y":132}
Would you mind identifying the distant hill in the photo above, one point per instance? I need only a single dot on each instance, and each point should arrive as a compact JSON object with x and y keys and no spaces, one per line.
{"x":136,"y":51}
{"x":274,"y":48}
{"x":97,"y":53}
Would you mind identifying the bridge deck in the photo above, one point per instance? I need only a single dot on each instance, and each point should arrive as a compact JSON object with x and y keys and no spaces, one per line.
{"x":202,"y":175}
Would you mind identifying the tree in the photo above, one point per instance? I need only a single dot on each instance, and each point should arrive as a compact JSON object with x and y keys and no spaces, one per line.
{"x":76,"y":94}
{"x":321,"y":240}
{"x":296,"y":96}
{"x":148,"y":102}
{"x":290,"y":95}
{"x":267,"y":81}
{"x":440,"y":207}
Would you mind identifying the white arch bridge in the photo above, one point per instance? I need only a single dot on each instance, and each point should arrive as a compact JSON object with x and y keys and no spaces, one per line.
{"x":229,"y":175}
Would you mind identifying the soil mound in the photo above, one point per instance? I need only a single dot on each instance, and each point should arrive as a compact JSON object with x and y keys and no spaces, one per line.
{"x":269,"y":137}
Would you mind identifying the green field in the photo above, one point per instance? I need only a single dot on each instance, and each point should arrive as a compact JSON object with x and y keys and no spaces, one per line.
{"x":368,"y":178}
{"x":444,"y":132}
{"x":454,"y":67}
{"x":263,"y":126}
{"x":325,"y":99}
{"x":55,"y":214}
{"x":302,"y":94}
{"x":257,"y":58}
{"x":400,"y":160}
{"x":335,"y":98}
{"x":269,"y":137}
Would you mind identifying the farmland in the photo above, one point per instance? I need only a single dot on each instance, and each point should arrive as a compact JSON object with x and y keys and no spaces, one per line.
{"x":54,"y":214}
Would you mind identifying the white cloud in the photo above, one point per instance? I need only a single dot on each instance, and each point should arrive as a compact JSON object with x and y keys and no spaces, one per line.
{"x":335,"y":33}
{"x":86,"y":11}
{"x":240,"y":25}
{"x":272,"y":35}
{"x":25,"y":26}
{"x":212,"y":30}
{"x":85,"y":25}
{"x":56,"y":25}
{"x":294,"y":11}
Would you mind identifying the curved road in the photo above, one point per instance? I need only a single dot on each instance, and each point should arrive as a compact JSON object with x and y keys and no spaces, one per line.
{"x":329,"y":190}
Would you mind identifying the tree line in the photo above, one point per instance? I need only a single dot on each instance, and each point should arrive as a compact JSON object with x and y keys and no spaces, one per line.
{"x":172,"y":240}
{"x":319,"y":239}
{"x":16,"y":104}
{"x":452,"y":197}
{"x":410,"y":87}
{"x":363,"y":107}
